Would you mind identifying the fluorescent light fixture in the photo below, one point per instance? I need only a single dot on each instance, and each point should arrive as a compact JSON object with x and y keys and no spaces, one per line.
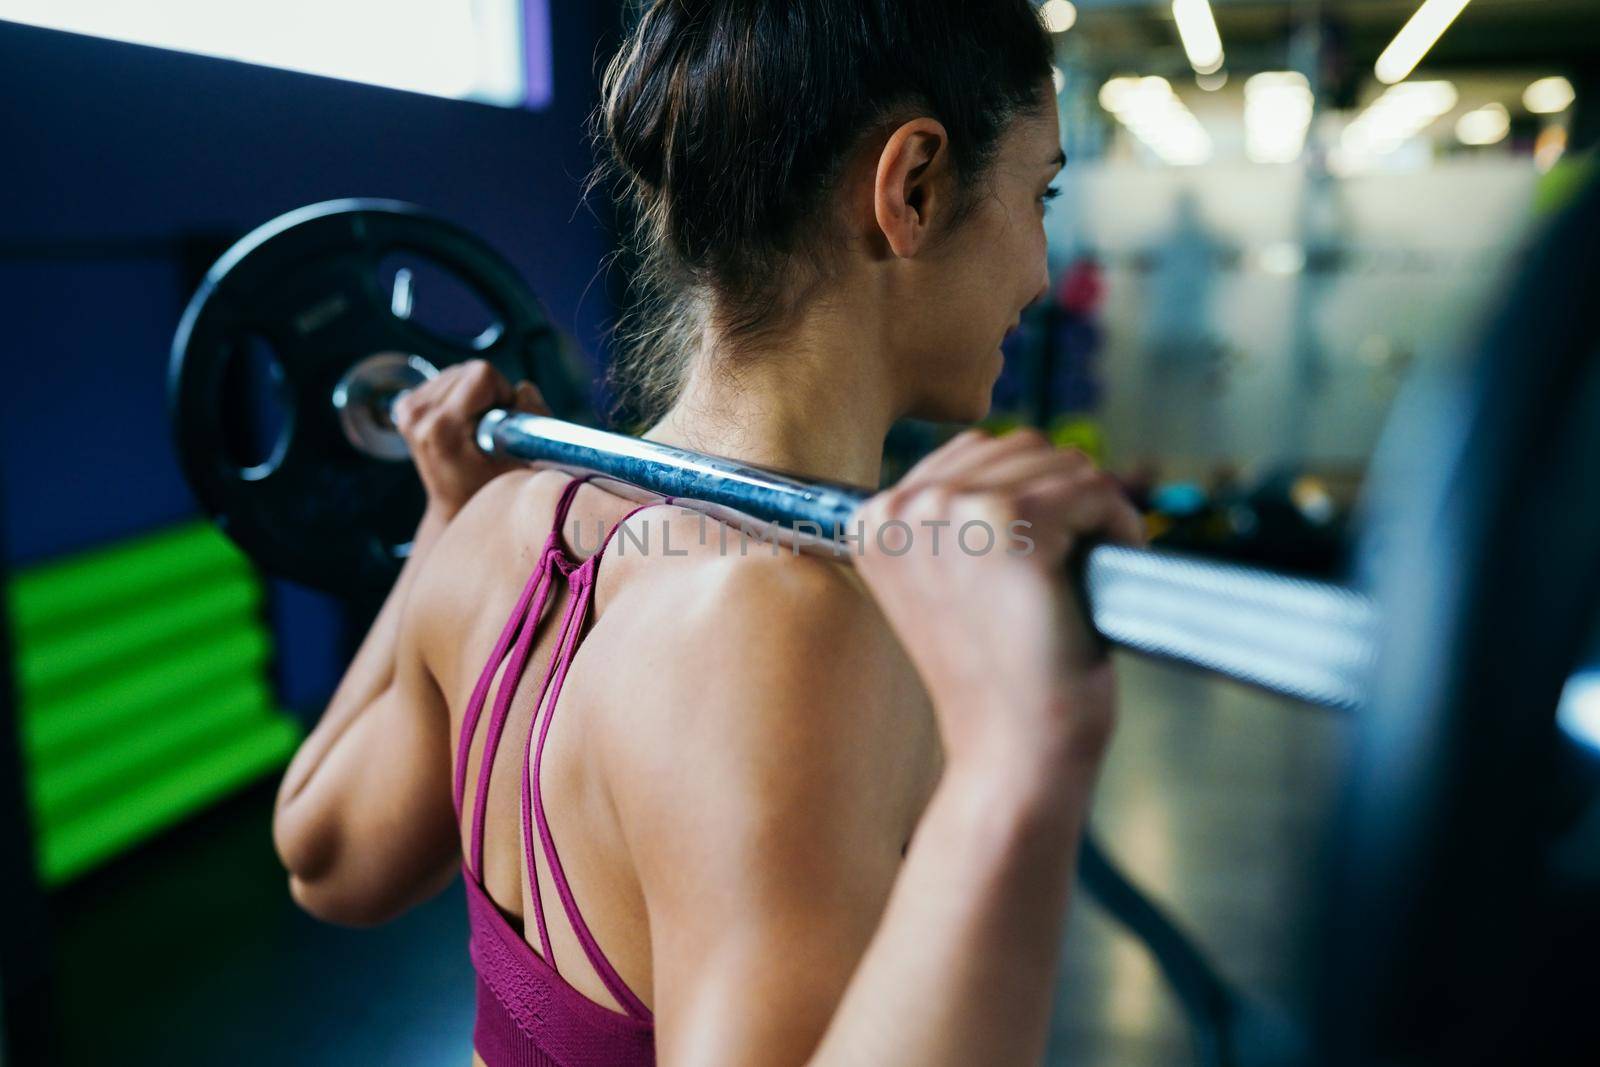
{"x":1059,"y":15}
{"x":1549,"y":96}
{"x":1396,"y":117}
{"x":1487,"y":125}
{"x":1115,"y":94}
{"x":1416,"y":37}
{"x":1277,"y":115}
{"x":440,"y":47}
{"x":1197,"y":28}
{"x":1154,"y":114}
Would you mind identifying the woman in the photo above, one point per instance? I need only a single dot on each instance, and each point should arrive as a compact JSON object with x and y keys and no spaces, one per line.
{"x":694,"y":840}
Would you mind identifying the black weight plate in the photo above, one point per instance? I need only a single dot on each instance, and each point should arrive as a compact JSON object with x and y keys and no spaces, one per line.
{"x":1482,"y":551}
{"x":317,"y":511}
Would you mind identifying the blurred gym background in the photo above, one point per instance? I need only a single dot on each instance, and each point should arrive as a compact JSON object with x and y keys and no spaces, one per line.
{"x":1274,"y":211}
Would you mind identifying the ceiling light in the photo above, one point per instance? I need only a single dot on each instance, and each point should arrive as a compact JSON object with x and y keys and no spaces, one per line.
{"x":1488,"y":125}
{"x":1416,"y":37}
{"x":1115,"y":92}
{"x":1277,"y":115}
{"x":1154,"y":114}
{"x":1396,"y":117}
{"x":1197,"y":28}
{"x":1549,"y":96}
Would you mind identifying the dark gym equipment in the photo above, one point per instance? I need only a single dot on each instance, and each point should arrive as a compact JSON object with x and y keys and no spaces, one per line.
{"x":1482,"y":545}
{"x":332,"y":508}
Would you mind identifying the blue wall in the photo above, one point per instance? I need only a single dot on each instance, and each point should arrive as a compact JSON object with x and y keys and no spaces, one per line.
{"x":112,"y":154}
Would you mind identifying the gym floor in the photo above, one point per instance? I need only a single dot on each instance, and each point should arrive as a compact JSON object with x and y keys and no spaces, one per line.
{"x":190,"y":951}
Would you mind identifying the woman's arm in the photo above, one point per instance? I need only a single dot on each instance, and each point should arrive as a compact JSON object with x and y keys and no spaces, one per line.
{"x":372,"y":672}
{"x":1025,"y":698}
{"x":364,"y":821}
{"x":962,"y":967}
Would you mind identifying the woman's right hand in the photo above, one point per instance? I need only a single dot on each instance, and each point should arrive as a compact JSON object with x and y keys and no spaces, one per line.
{"x":439,"y":421}
{"x":1018,"y":680}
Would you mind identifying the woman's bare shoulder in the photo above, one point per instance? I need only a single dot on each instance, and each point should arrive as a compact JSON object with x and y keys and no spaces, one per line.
{"x":485,"y":551}
{"x":710,"y":601}
{"x":779,"y":661}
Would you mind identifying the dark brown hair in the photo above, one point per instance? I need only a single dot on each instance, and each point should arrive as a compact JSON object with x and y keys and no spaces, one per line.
{"x":729,"y":123}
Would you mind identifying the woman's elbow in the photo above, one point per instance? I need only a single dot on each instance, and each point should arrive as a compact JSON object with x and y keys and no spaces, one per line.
{"x":302,"y":840}
{"x":330,"y":905}
{"x":344,"y":887}
{"x":307,"y":847}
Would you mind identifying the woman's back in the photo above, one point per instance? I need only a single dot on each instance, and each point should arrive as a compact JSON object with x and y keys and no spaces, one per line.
{"x":674,"y":600}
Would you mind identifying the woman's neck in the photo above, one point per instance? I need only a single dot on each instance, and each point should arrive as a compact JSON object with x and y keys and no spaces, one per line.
{"x":816,"y":407}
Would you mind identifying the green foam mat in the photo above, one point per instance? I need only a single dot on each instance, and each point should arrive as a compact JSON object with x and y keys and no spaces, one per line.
{"x":97,"y":836}
{"x":162,"y":744}
{"x":58,"y":593}
{"x":49,"y":668}
{"x":59,"y":729}
{"x":143,"y":676}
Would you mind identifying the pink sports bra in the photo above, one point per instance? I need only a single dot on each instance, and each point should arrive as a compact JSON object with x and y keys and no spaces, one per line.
{"x":528,"y":1014}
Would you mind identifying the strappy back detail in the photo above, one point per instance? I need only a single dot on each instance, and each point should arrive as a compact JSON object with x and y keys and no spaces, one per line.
{"x":493,"y":953}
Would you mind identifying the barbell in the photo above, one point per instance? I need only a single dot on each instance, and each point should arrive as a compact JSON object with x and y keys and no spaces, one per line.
{"x":334,"y":503}
{"x":1456,"y":752}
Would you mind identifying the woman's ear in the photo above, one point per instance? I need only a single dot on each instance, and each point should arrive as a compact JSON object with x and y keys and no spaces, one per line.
{"x":910,"y":184}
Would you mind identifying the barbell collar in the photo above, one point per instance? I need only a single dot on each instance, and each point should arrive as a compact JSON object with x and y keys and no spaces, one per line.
{"x":364,"y":400}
